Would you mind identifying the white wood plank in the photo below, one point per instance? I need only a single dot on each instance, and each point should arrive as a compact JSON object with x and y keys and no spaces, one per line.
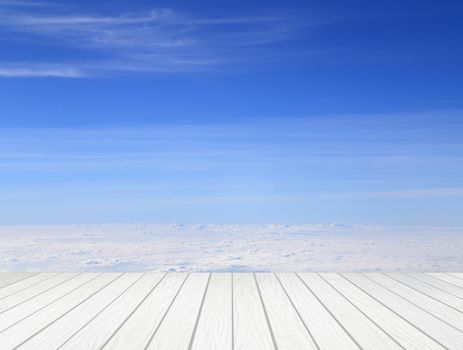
{"x":99,"y":330}
{"x":365,"y":332}
{"x":26,"y":283}
{"x":438,"y":330}
{"x":15,"y":277}
{"x":176,"y":329}
{"x":64,"y":330}
{"x":138,"y":329}
{"x":456,"y":274}
{"x":437,"y":283}
{"x":225,"y":311}
{"x":442,"y":311}
{"x":215,"y":324}
{"x":407,"y":335}
{"x":428,"y":290}
{"x":5,"y":275}
{"x":327,"y":333}
{"x":251,"y":330}
{"x":25,"y":295}
{"x":40,"y":302}
{"x":21,"y":331}
{"x":288,"y":329}
{"x":448,"y":278}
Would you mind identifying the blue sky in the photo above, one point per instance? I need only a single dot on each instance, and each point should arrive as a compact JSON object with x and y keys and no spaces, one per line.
{"x":231,"y":112}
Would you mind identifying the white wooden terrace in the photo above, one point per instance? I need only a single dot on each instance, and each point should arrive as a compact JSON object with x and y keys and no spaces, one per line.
{"x":222,"y":311}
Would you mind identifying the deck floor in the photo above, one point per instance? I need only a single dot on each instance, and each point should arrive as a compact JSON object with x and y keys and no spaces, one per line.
{"x":231,"y":311}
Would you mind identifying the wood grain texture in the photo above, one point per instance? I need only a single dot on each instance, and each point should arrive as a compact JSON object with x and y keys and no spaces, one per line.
{"x":177,"y":327}
{"x":98,"y":330}
{"x":119,"y":311}
{"x":4,"y":275}
{"x":456,"y":274}
{"x":423,"y":320}
{"x":20,"y":306}
{"x":288,"y":328}
{"x":15,"y":278}
{"x":429,"y":290}
{"x":25,"y":283}
{"x":215,"y":326}
{"x":137,"y":331}
{"x":327,"y":333}
{"x":58,"y":333}
{"x":437,"y":283}
{"x":444,"y":312}
{"x":367,"y":334}
{"x":64,"y":301}
{"x":406,"y":334}
{"x":251,"y":330}
{"x":448,"y":278}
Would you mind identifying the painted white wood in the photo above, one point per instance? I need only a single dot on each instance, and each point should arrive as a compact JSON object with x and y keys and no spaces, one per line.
{"x":25,"y":295}
{"x":428,"y":290}
{"x":26,"y":283}
{"x":177,"y":327}
{"x":15,"y":278}
{"x":20,"y":332}
{"x":42,"y":301}
{"x":5,"y":275}
{"x":57,"y":333}
{"x":407,"y":335}
{"x":365,"y":332}
{"x":448,"y":278}
{"x":138,"y":329}
{"x":251,"y":330}
{"x":438,"y":330}
{"x":225,"y":311}
{"x":437,"y":283}
{"x":433,"y":306}
{"x":327,"y":333}
{"x":215,"y":324}
{"x":456,"y":274}
{"x":288,"y":329}
{"x":97,"y":332}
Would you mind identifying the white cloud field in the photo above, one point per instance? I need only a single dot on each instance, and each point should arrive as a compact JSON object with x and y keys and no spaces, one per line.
{"x":179,"y":247}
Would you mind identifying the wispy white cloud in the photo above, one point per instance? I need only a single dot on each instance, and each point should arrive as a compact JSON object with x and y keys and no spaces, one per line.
{"x":317,"y":145}
{"x":156,"y":40}
{"x":369,"y":166}
{"x":20,"y":3}
{"x":31,"y":71}
{"x":57,"y":22}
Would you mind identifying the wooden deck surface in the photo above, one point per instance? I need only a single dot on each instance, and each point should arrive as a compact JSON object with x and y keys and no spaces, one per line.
{"x":201,"y":311}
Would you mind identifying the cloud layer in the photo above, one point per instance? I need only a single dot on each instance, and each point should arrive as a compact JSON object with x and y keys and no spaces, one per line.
{"x":182,"y":248}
